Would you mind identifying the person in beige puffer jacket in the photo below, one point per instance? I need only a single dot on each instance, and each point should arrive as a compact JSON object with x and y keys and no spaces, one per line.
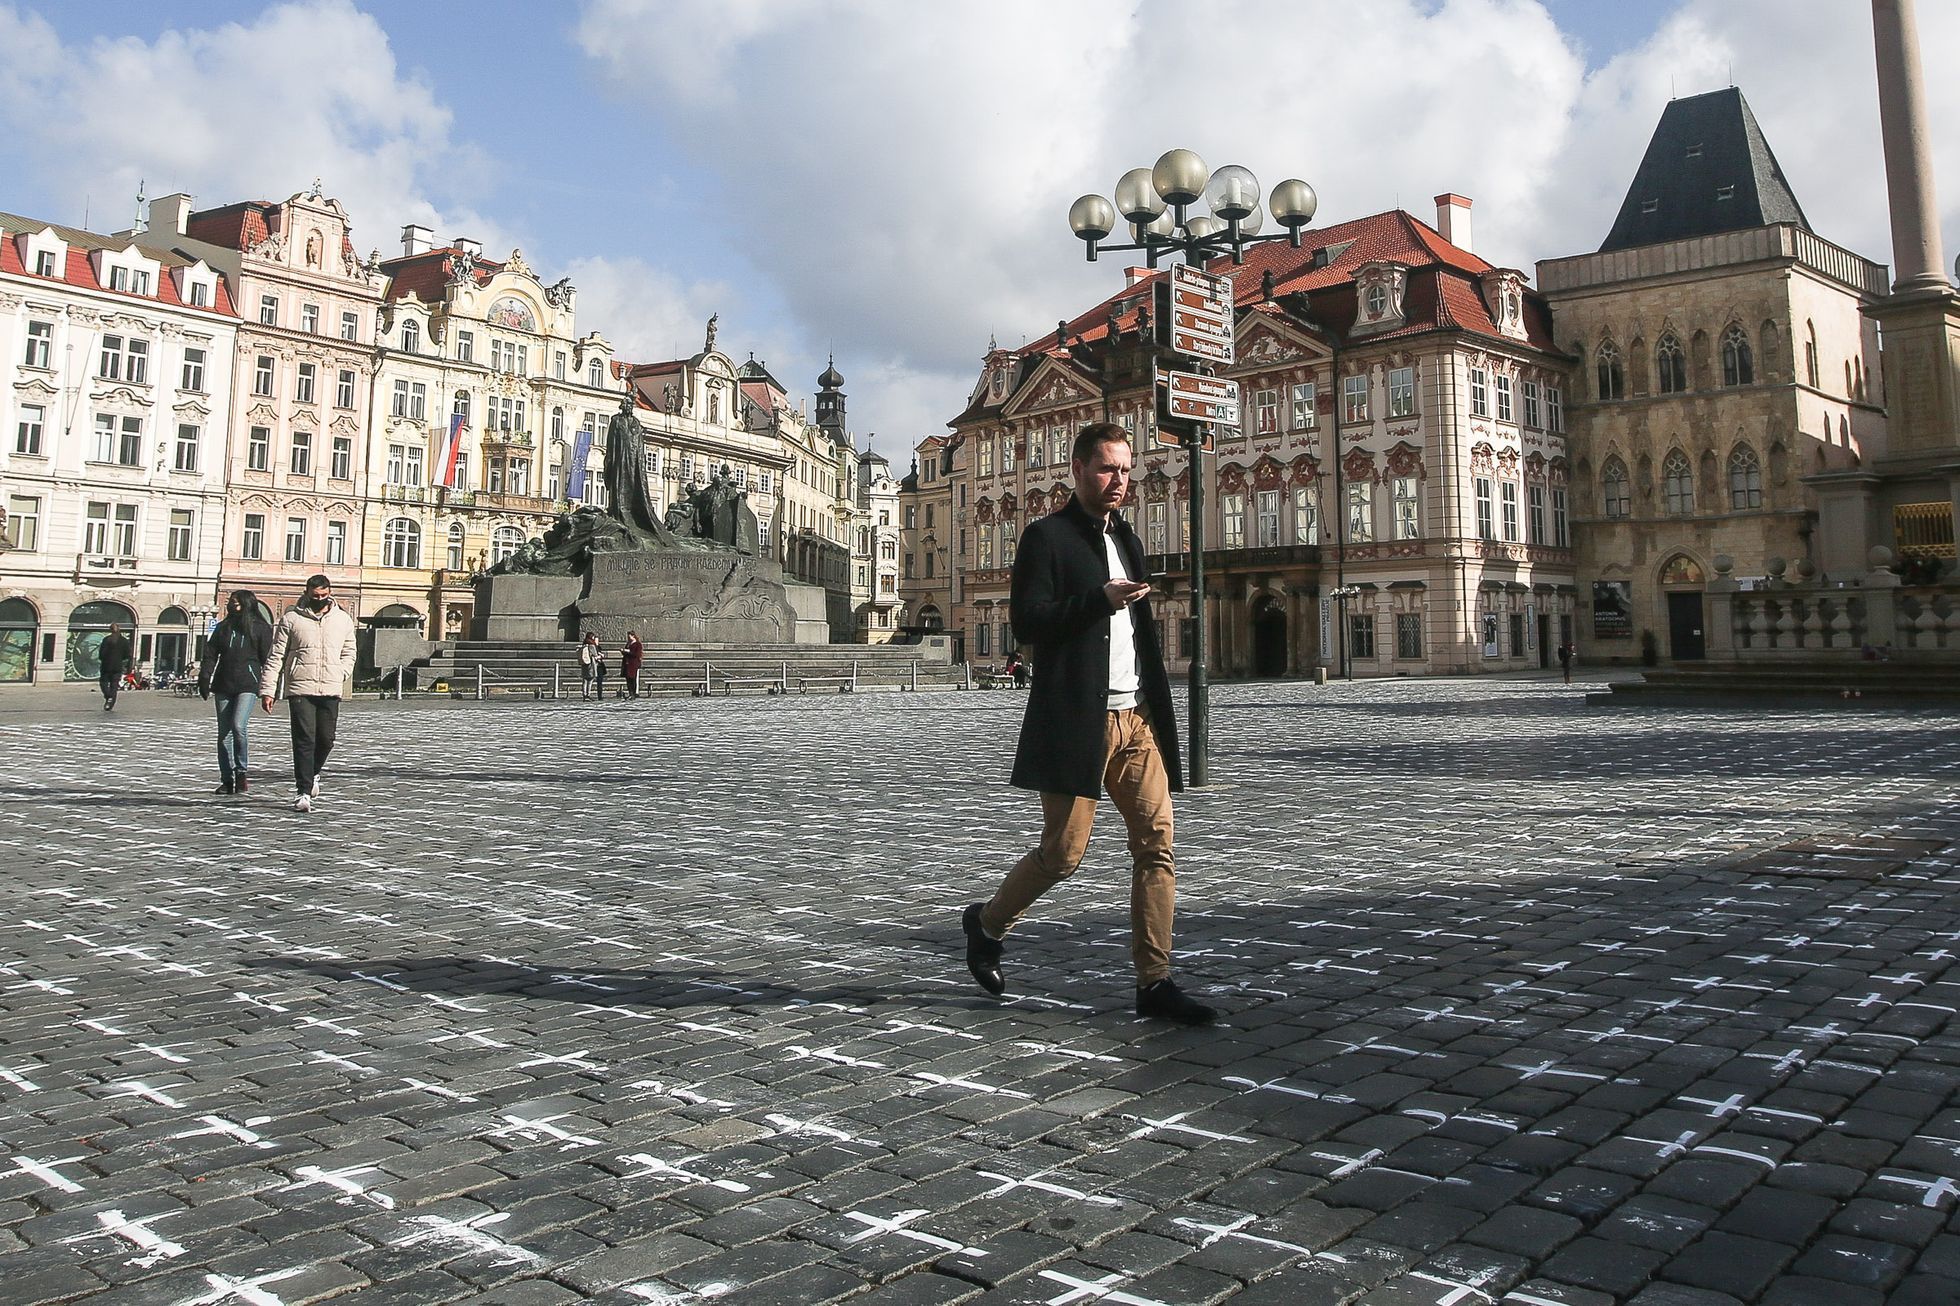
{"x":314,"y":652}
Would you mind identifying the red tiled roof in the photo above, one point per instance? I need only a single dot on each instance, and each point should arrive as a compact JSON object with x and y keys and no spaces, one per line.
{"x":237,"y":226}
{"x":79,"y":270}
{"x":426,"y":275}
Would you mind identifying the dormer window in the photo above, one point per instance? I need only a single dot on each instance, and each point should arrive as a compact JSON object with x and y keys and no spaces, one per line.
{"x":200,"y":295}
{"x":1377,"y":300}
{"x":44,"y":263}
{"x":1725,"y":192}
{"x":1694,"y":150}
{"x":119,"y":278}
{"x":1650,"y":206}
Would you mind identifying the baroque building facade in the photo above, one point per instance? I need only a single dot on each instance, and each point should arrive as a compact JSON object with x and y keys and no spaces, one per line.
{"x":879,"y":607}
{"x":1724,"y":357}
{"x":1394,"y":500}
{"x":299,"y":415}
{"x":483,"y":393}
{"x":925,"y":522}
{"x":115,"y":404}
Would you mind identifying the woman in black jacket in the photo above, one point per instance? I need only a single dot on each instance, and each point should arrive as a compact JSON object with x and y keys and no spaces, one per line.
{"x":234,"y":654}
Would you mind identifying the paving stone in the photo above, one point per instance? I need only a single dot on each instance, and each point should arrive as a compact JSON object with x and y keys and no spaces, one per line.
{"x":1729,"y":1263}
{"x":1618,"y":1268}
{"x":1527,"y":1231}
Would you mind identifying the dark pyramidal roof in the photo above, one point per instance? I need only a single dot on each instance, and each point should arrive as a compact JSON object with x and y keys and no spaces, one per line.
{"x":1707,"y":169}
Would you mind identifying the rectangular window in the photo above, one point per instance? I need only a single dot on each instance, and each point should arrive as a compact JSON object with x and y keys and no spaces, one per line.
{"x":251,"y":546}
{"x":1535,"y":508}
{"x":258,"y":449}
{"x":1361,"y":636}
{"x":342,"y":466}
{"x":343,"y":390}
{"x":1266,"y":412}
{"x":1303,"y":410}
{"x":1361,"y":514}
{"x":200,"y":294}
{"x":465,"y":347}
{"x":1479,"y":392}
{"x":418,"y":401}
{"x":1561,"y":523}
{"x":28,"y":434}
{"x":23,"y":522}
{"x":558,"y":366}
{"x":1554,"y":414}
{"x":1354,"y":399}
{"x":1232,"y":508}
{"x":986,"y":550}
{"x":193,"y":370}
{"x":119,"y":278}
{"x":986,"y":456}
{"x":40,"y":344}
{"x":43,"y":262}
{"x":1531,"y":412}
{"x":303,"y":383}
{"x":139,"y":282}
{"x":188,"y":438}
{"x":336,"y":543}
{"x":178,"y":547}
{"x":95,"y":528}
{"x":1401,"y":391}
{"x":1408,"y":636}
{"x":1268,"y":519}
{"x":302,"y":460}
{"x":1503,"y":398}
{"x":118,"y":440}
{"x":125,"y":531}
{"x":350,"y":326}
{"x":1408,"y":524}
{"x":397,"y":455}
{"x":1306,"y":515}
{"x":262,"y":376}
{"x":1509,"y":492}
{"x":268,"y":310}
{"x":1155,"y":515}
{"x":1006,"y":454}
{"x":295,"y":539}
{"x":412,"y":466}
{"x":400,"y":406}
{"x":309,"y":319}
{"x":1486,"y":524}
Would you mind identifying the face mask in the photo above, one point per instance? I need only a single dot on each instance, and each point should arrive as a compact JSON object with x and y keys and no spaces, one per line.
{"x":318,"y":604}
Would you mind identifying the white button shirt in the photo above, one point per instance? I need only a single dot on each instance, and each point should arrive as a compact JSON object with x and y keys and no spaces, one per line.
{"x":1123,"y":680}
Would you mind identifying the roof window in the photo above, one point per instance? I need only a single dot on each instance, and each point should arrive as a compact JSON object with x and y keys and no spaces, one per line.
{"x":1694,"y":150}
{"x":1725,"y":192}
{"x":1650,"y":206}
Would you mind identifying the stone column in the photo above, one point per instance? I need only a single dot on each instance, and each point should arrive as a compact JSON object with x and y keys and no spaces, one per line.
{"x":1917,"y":261}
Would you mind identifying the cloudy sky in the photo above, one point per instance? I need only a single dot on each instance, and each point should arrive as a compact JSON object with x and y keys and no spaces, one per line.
{"x":890,"y":180}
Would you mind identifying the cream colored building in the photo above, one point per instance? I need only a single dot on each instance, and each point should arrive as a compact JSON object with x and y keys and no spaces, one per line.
{"x":116,"y":360}
{"x":299,"y":414}
{"x":875,"y":560}
{"x":1724,"y":356}
{"x":925,"y":524}
{"x":489,"y":342}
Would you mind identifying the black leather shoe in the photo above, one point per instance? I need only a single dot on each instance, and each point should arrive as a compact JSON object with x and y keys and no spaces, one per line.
{"x":982,"y":953}
{"x":1165,"y":1001}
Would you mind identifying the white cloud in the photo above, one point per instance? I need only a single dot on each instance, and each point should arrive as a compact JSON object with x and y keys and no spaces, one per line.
{"x":254,"y":109}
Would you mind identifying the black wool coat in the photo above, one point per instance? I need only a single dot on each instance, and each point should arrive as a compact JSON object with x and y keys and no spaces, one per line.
{"x":1060,"y":613}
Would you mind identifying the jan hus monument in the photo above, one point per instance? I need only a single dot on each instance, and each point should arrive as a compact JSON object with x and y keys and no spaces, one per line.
{"x":698,"y":573}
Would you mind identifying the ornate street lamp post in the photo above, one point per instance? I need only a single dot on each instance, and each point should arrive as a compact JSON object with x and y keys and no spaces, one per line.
{"x":1157,"y":203}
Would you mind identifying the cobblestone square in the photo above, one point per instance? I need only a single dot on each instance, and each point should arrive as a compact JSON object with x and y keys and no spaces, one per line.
{"x":664,"y":1002}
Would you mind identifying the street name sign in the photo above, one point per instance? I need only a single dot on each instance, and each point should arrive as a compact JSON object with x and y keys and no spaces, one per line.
{"x":1195,"y":398}
{"x":1201,"y":315}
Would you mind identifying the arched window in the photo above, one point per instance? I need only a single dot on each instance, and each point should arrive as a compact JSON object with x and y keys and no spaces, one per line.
{"x":598,"y":375}
{"x":1615,"y":491}
{"x":411,"y":338}
{"x":1670,"y":365}
{"x":504,"y":541}
{"x":1678,"y":483}
{"x":1745,"y":478}
{"x":1738,"y":364}
{"x":462,"y":406}
{"x":455,"y":559}
{"x":1610,"y":371}
{"x":401,"y":543}
{"x":1812,"y":372}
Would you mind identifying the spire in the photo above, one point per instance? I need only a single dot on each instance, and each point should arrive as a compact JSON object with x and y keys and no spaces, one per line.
{"x":1707,"y":169}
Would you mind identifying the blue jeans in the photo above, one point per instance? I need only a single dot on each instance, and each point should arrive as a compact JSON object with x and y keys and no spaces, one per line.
{"x":234,"y":710}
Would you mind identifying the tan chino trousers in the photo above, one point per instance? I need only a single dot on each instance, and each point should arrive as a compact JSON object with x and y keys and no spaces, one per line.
{"x":1134,"y":778}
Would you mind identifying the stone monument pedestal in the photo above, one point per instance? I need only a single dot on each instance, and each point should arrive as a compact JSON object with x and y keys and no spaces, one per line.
{"x":686,"y":596}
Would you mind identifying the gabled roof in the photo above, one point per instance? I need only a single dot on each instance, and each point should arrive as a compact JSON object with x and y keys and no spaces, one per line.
{"x":1706,"y":170}
{"x":80,"y":269}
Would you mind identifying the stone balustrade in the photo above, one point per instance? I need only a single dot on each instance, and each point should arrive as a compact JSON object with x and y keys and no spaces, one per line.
{"x":1801,"y":618}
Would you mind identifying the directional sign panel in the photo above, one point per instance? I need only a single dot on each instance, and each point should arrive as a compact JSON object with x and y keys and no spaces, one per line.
{"x":1195,"y":398}
{"x":1201,"y":314}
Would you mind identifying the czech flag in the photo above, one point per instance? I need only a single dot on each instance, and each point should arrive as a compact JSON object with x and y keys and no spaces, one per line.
{"x":452,"y":445}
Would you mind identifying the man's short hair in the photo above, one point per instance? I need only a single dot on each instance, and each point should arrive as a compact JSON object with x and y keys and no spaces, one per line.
{"x":1093,"y":436}
{"x":317,"y":579}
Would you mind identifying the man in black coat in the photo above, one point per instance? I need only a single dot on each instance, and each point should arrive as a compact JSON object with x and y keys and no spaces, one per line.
{"x":1099,"y":717}
{"x":112,"y":659}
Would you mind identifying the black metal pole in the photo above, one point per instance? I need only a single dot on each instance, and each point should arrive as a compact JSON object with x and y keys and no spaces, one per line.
{"x":1200,"y":709}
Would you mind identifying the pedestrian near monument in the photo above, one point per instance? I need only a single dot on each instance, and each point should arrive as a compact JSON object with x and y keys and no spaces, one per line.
{"x":1098,"y":718}
{"x":1565,"y":654}
{"x":591,"y":668}
{"x":313,"y":654}
{"x":629,"y":664}
{"x":112,"y":658}
{"x":235,"y":654}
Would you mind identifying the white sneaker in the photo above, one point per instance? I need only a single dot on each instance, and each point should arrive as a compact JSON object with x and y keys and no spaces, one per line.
{"x":302,"y":804}
{"x":314,"y":792}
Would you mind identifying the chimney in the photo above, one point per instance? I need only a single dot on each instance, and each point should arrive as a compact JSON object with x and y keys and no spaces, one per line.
{"x":1135,"y":276}
{"x":416,"y":240}
{"x":1453,"y":220}
{"x":171,"y":214}
{"x":474,"y":248}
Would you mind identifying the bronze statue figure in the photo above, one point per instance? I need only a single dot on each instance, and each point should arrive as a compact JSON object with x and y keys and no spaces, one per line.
{"x":629,"y":497}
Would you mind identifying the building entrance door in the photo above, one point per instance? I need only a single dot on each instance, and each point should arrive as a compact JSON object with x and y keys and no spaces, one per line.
{"x":1686,"y":643}
{"x":1544,"y":640}
{"x":1268,"y":637}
